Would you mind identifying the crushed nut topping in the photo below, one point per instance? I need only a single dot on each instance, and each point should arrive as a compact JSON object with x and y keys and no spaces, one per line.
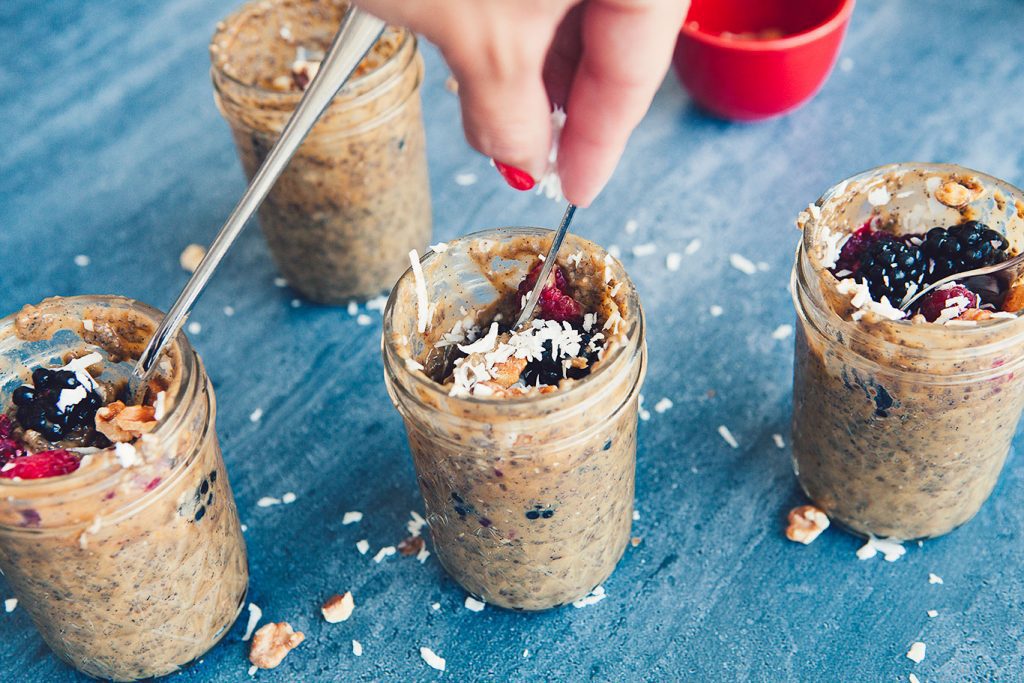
{"x":338,"y":608}
{"x":806,"y":523}
{"x":411,"y":546}
{"x":121,"y":423}
{"x":272,"y":643}
{"x":191,"y":257}
{"x":1014,"y":300}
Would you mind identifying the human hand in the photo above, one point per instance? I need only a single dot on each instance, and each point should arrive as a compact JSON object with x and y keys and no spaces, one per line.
{"x":602,"y":60}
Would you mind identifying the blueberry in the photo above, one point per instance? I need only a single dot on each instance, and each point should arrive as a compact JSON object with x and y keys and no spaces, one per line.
{"x":547,"y":514}
{"x":41,"y":377}
{"x":533,"y":514}
{"x":607,"y":445}
{"x":23,"y":396}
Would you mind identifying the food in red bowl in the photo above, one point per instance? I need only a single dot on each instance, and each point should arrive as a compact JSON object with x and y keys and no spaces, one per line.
{"x":752,"y":59}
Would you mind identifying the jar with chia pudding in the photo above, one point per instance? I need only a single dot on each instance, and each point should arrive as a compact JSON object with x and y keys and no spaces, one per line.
{"x":902,"y":421}
{"x":118,"y":529}
{"x":355,"y":198}
{"x":524,"y":441}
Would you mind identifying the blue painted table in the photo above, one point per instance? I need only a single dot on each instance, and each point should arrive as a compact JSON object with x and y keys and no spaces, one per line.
{"x":112,"y":148}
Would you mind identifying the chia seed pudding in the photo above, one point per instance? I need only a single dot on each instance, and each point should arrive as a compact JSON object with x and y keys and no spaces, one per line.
{"x":524,"y":441}
{"x":902,"y":421}
{"x":355,"y":197}
{"x":118,"y":529}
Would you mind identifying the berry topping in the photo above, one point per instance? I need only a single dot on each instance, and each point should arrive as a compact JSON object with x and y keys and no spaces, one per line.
{"x":57,"y":404}
{"x":947,"y":303}
{"x":963,"y":247}
{"x":9,"y":446}
{"x":42,"y":464}
{"x":853,"y":250}
{"x":555,"y":303}
{"x":889,"y":266}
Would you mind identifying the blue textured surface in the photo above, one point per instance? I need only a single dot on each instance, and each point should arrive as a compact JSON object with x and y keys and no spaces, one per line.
{"x":112,"y":148}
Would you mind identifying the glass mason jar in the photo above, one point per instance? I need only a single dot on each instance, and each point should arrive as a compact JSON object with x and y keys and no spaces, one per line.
{"x":901,"y":429}
{"x":355,"y":198}
{"x":133,"y":572}
{"x":529,"y":499}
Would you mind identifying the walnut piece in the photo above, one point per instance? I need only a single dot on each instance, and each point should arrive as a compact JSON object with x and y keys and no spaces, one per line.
{"x":191,"y":257}
{"x":506,"y":374}
{"x":959,"y":192}
{"x":976,"y":314}
{"x":806,"y":523}
{"x":1014,"y":300}
{"x":338,"y":608}
{"x":272,"y":642}
{"x":121,"y":423}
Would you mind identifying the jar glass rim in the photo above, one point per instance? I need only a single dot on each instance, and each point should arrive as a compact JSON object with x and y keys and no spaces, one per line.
{"x":635,"y":331}
{"x":177,"y":410}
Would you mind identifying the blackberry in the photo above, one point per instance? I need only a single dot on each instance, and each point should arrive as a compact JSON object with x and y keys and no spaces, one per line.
{"x":962,"y":247}
{"x":37,"y":407}
{"x":889,"y":267}
{"x":547,"y":370}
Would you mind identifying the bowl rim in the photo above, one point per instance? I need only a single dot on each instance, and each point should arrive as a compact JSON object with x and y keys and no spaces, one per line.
{"x":837,"y":19}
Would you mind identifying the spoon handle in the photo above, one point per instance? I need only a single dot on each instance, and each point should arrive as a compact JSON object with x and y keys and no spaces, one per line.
{"x":358,"y":32}
{"x":545,"y":271}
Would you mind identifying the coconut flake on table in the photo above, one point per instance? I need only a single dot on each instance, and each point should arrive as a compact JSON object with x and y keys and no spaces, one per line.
{"x":255,"y":614}
{"x":595,"y":596}
{"x":465,"y":179}
{"x":267,"y":501}
{"x":363,"y":546}
{"x":673,"y":261}
{"x":663,"y":405}
{"x":352,"y":517}
{"x":423,"y":554}
{"x":647,"y":249}
{"x":641,"y":411}
{"x":742,"y":264}
{"x":353,"y":308}
{"x":288,"y":498}
{"x":934,"y":578}
{"x":779,"y":442}
{"x":280,"y":282}
{"x":415,"y":525}
{"x":891,"y":548}
{"x":724,"y":432}
{"x":631,"y":226}
{"x":229,"y":311}
{"x":386,"y":551}
{"x":363,"y":320}
{"x":10,"y":604}
{"x":256,"y":415}
{"x":474,"y":605}
{"x":194,"y":328}
{"x":782,"y":331}
{"x":916,"y":652}
{"x":715,"y":311}
{"x":932,"y":613}
{"x":693,"y":247}
{"x":432,"y":659}
{"x":357,"y":648}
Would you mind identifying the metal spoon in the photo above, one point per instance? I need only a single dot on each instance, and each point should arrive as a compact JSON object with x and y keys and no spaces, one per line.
{"x":545,"y":271}
{"x":358,"y":32}
{"x":990,"y":282}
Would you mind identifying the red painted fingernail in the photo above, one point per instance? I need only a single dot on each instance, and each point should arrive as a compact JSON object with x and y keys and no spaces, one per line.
{"x":517,"y":178}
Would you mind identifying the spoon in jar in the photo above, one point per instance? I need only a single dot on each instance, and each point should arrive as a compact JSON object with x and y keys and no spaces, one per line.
{"x":545,"y":271}
{"x":991,"y":283}
{"x":357,"y":34}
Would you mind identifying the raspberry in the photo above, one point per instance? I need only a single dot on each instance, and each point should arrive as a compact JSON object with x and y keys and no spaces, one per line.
{"x":554,"y":303}
{"x":6,"y":428}
{"x":853,"y":250}
{"x":43,"y":464}
{"x":935,"y":302}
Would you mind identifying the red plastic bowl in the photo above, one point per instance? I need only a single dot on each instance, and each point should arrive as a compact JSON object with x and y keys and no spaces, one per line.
{"x":745,"y":77}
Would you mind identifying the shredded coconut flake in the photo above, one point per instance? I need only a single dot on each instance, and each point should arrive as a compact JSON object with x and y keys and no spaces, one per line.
{"x":363,"y":319}
{"x":440,"y":247}
{"x":595,"y":596}
{"x":386,"y":551}
{"x":742,"y":264}
{"x":663,"y":405}
{"x":631,"y":226}
{"x":693,"y":247}
{"x":357,"y":648}
{"x":715,"y":311}
{"x":465,"y":179}
{"x":415,"y":525}
{"x":82,"y":260}
{"x":363,"y":546}
{"x":474,"y":605}
{"x":256,"y":415}
{"x":127,"y":455}
{"x":724,"y":432}
{"x":934,"y":578}
{"x":932,"y":613}
{"x":421,"y":292}
{"x":892,"y":549}
{"x":432,"y":659}
{"x":673,"y":261}
{"x":10,"y":604}
{"x":255,"y":614}
{"x":782,"y":331}
{"x":352,"y":517}
{"x":267,"y":501}
{"x":288,"y":498}
{"x":779,"y":443}
{"x":648,"y":249}
{"x":916,"y":652}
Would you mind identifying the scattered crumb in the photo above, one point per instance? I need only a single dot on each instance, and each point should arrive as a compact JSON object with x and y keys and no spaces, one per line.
{"x":932,"y":613}
{"x":423,"y":554}
{"x":636,"y":515}
{"x":352,"y":517}
{"x":742,"y":264}
{"x":288,"y":498}
{"x":353,"y":308}
{"x":913,"y":679}
{"x":779,"y":443}
{"x":267,"y":501}
{"x":673,"y":261}
{"x":357,"y":648}
{"x":229,"y":311}
{"x":782,"y":331}
{"x":916,"y":652}
{"x":363,"y":546}
{"x":934,"y":578}
{"x":724,"y":432}
{"x":432,"y":659}
{"x":641,"y":411}
{"x":363,"y":319}
{"x":191,"y":256}
{"x":415,"y":525}
{"x":595,"y":596}
{"x":410,"y":546}
{"x":194,"y":328}
{"x":10,"y":604}
{"x":806,"y":523}
{"x":256,"y":415}
{"x":436,"y":606}
{"x":631,"y":226}
{"x":386,"y":551}
{"x":244,"y":527}
{"x":253,"y":669}
{"x":465,"y":180}
{"x":338,"y":608}
{"x":82,"y":260}
{"x":663,"y":405}
{"x":88,"y":325}
{"x":272,"y":643}
{"x":716,"y":311}
{"x":280,"y":282}
{"x":891,"y":549}
{"x":635,"y":541}
{"x":692,"y":248}
{"x":255,"y":614}
{"x":645,"y":249}
{"x":474,"y":605}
